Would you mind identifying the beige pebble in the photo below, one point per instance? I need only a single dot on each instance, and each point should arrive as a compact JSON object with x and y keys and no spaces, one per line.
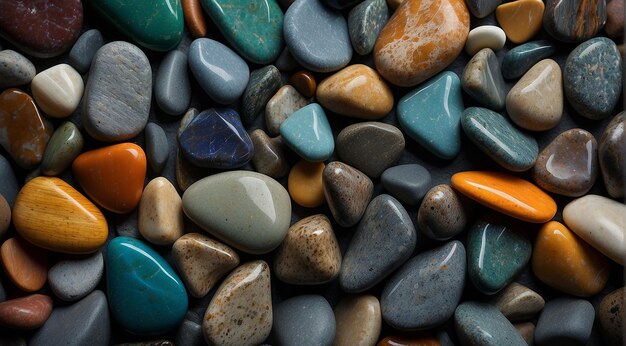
{"x":58,"y":90}
{"x":161,"y":213}
{"x":518,"y":302}
{"x":358,"y":321}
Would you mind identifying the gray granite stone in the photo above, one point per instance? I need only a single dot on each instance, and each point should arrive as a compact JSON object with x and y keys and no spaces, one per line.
{"x":304,"y":320}
{"x":262,"y":85}
{"x":15,"y":69}
{"x":9,"y":187}
{"x":365,"y":21}
{"x":85,"y":49}
{"x":172,"y":90}
{"x":157,"y":147}
{"x":408,"y":183}
{"x":483,"y":81}
{"x":64,"y":146}
{"x":73,"y":279}
{"x":565,"y":321}
{"x":483,"y":324}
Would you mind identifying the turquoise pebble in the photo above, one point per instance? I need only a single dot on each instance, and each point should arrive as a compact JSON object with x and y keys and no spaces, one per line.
{"x":308,"y":133}
{"x":365,"y":22}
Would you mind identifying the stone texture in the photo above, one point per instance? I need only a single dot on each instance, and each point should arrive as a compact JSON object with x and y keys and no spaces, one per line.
{"x":75,"y":278}
{"x":269,"y":155}
{"x":565,"y":321}
{"x":304,"y":320}
{"x":285,"y":102}
{"x":614,"y":18}
{"x":442,"y":214}
{"x":172,"y":90}
{"x":574,"y":21}
{"x":308,"y":133}
{"x":611,"y":317}
{"x":161,"y":213}
{"x":518,"y":302}
{"x":84,"y":50}
{"x":408,"y":183}
{"x":612,"y":154}
{"x":63,"y":147}
{"x":482,"y":324}
{"x":24,"y":264}
{"x":15,"y":69}
{"x":358,"y":321}
{"x":347,"y":191}
{"x":520,"y":59}
{"x":305,"y":183}
{"x":157,"y":147}
{"x":5,"y":216}
{"x":29,"y":312}
{"x":58,"y":90}
{"x":263,"y":83}
{"x":365,"y":21}
{"x":520,"y":20}
{"x":482,"y":80}
{"x":485,"y":36}
{"x":482,"y":8}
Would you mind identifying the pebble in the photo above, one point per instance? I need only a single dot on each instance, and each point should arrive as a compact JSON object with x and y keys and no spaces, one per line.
{"x":527,"y":331}
{"x":253,"y":29}
{"x":187,"y":173}
{"x":310,"y":254}
{"x":565,"y":320}
{"x":191,"y":114}
{"x":614,"y":26}
{"x":304,"y":320}
{"x":116,"y":103}
{"x":89,"y":321}
{"x":569,"y":164}
{"x":172,"y":90}
{"x":365,"y":21}
{"x":495,"y":136}
{"x":25,"y":132}
{"x":358,"y":321}
{"x":484,"y":36}
{"x":5,"y":217}
{"x":74,"y":279}
{"x":574,"y":21}
{"x":611,"y":152}
{"x":304,"y":82}
{"x":285,"y":102}
{"x":482,"y":80}
{"x":84,"y":50}
{"x":482,"y":324}
{"x":41,"y":29}
{"x":240,"y":312}
{"x":482,"y":8}
{"x":431,"y":115}
{"x":424,"y":292}
{"x":157,"y":147}
{"x":442,"y":214}
{"x":383,"y":241}
{"x":15,"y":69}
{"x":520,"y":20}
{"x":161,"y":213}
{"x":408,"y":183}
{"x":112,"y":176}
{"x":189,"y":333}
{"x":611,"y":317}
{"x":137,"y":277}
{"x":419,"y":340}
{"x":269,"y":155}
{"x":308,"y":133}
{"x":24,"y":264}
{"x":599,"y":221}
{"x":347,"y":191}
{"x":592,"y":78}
{"x":520,"y":59}
{"x":202,"y":262}
{"x":263,"y":83}
{"x":51,"y":214}
{"x":29,"y":312}
{"x":422,"y":38}
{"x":305,"y":183}
{"x":216,"y":204}
{"x":506,"y":194}
{"x":58,"y":90}
{"x":285,"y":61}
{"x":194,"y":20}
{"x":216,"y":138}
{"x":64,"y":146}
{"x":564,"y":261}
{"x":222,"y":74}
{"x":518,"y":302}
{"x":317,"y":36}
{"x":357,"y":91}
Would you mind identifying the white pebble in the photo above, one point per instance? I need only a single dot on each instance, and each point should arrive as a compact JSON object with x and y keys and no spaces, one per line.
{"x":486,"y":36}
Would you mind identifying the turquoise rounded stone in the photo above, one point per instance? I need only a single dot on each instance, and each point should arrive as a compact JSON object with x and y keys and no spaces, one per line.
{"x":145,"y":294}
{"x":308,"y":133}
{"x":520,"y":59}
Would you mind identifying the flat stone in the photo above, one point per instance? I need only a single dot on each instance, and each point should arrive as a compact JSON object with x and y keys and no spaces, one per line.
{"x":161,"y":213}
{"x":518,"y":302}
{"x":29,"y":312}
{"x":41,"y":29}
{"x":254,"y":29}
{"x":202,"y":262}
{"x":358,"y":321}
{"x":15,"y":69}
{"x":569,"y":164}
{"x":421,"y":39}
{"x":383,"y":241}
{"x":565,"y":320}
{"x":216,"y":138}
{"x":51,"y":214}
{"x":365,"y":21}
{"x":24,"y":133}
{"x":574,"y":21}
{"x":84,"y":50}
{"x":611,"y":317}
{"x":482,"y":8}
{"x":189,"y":334}
{"x":348,"y":192}
{"x":58,"y":90}
{"x":520,"y":59}
{"x":317,"y":36}
{"x":424,"y":292}
{"x":172,"y":90}
{"x":305,"y":183}
{"x":137,"y":276}
{"x":614,"y":18}
{"x":240,"y":312}
{"x":600,"y":222}
{"x":592,"y":78}
{"x":431,"y":115}
{"x":408,"y":183}
{"x":64,"y":146}
{"x":117,"y":97}
{"x":304,"y":81}
{"x":308,"y":133}
{"x":222,"y":74}
{"x":442,"y":214}
{"x":285,"y":102}
{"x":194,"y":20}
{"x":157,"y":147}
{"x":246,"y":210}
{"x":269,"y":155}
{"x":304,"y":320}
{"x":611,"y":152}
{"x":483,"y":81}
{"x":24,"y":264}
{"x":564,"y":261}
{"x":5,"y":216}
{"x":262,"y":85}
{"x":73,"y":279}
{"x":497,"y":138}
{"x":484,"y":36}
{"x":285,"y":61}
{"x":520,"y":20}
{"x":527,"y":331}
{"x":482,"y":324}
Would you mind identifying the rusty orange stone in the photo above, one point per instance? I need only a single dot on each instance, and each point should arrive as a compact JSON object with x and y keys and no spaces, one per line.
{"x":304,"y":82}
{"x":192,"y":11}
{"x":564,"y":261}
{"x":24,"y":133}
{"x":112,"y":176}
{"x":520,"y":19}
{"x":409,"y":341}
{"x":305,"y":183}
{"x":506,"y":194}
{"x":25,"y":264}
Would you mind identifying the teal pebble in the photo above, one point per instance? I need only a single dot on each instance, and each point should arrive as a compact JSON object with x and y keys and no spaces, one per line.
{"x":308,"y":133}
{"x":365,"y":21}
{"x":520,"y":59}
{"x":483,"y":324}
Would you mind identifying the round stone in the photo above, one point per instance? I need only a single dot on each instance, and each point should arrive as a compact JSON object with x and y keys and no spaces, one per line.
{"x":73,"y":279}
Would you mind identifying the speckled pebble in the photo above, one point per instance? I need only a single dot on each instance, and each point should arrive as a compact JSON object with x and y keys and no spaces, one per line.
{"x":73,"y":279}
{"x":305,"y":320}
{"x":365,"y":21}
{"x":157,"y":147}
{"x":443,"y":213}
{"x":565,"y":321}
{"x":347,"y":191}
{"x":15,"y":69}
{"x":482,"y":324}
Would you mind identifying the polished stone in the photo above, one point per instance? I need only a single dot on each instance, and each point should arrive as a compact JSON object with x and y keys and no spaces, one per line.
{"x":308,"y":133}
{"x":365,"y":21}
{"x":285,"y":102}
{"x":520,"y":59}
{"x":29,"y":312}
{"x":58,"y":90}
{"x":482,"y":324}
{"x":408,"y":183}
{"x":160,"y":213}
{"x":172,"y":90}
{"x":157,"y":147}
{"x":304,"y":81}
{"x":194,"y":19}
{"x":565,"y":321}
{"x":262,"y":85}
{"x":520,"y":20}
{"x":269,"y":155}
{"x":293,"y":321}
{"x":24,"y":264}
{"x":518,"y":302}
{"x":64,"y":146}
{"x":305,"y":183}
{"x":614,"y":27}
{"x":574,"y":20}
{"x":358,"y":321}
{"x":73,"y":279}
{"x":485,"y":36}
{"x":611,"y":152}
{"x":482,"y":80}
{"x":443,"y":213}
{"x":84,"y":50}
{"x":15,"y":69}
{"x":347,"y":191}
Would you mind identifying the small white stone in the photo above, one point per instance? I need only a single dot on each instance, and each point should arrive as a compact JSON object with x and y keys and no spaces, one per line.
{"x":58,"y":90}
{"x":486,"y":36}
{"x":161,"y":213}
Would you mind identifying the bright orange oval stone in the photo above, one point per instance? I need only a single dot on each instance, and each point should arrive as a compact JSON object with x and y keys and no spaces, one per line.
{"x":506,"y":194}
{"x":305,"y":183}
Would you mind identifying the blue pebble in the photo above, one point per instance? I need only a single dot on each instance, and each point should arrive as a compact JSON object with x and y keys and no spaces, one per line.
{"x":308,"y":133}
{"x":365,"y":22}
{"x":520,"y":59}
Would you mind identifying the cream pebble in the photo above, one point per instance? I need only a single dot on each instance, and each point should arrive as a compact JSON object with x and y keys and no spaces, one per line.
{"x":58,"y":90}
{"x":485,"y":36}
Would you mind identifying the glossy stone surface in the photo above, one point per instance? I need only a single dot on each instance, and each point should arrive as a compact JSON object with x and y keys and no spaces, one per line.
{"x":57,"y":90}
{"x":483,"y":81}
{"x":317,"y":36}
{"x":565,"y":321}
{"x":305,"y":183}
{"x":612,"y":153}
{"x":436,"y":278}
{"x":520,"y":20}
{"x":358,"y":321}
{"x":29,"y":312}
{"x":137,"y":276}
{"x":442,"y":214}
{"x":365,"y":21}
{"x":293,"y":321}
{"x":484,"y":36}
{"x":263,"y":83}
{"x":614,"y":18}
{"x":194,"y":19}
{"x":160,"y":213}
{"x":431,"y":115}
{"x":64,"y":146}
{"x":347,"y":191}
{"x":304,"y":81}
{"x":482,"y":8}
{"x":518,"y":302}
{"x":172,"y":90}
{"x":15,"y":69}
{"x":499,"y":139}
{"x":157,"y":147}
{"x":24,"y":264}
{"x":611,"y":316}
{"x":482,"y":324}
{"x":269,"y":155}
{"x":574,"y":21}
{"x":217,"y":203}
{"x":408,"y":183}
{"x":73,"y":279}
{"x":520,"y":59}
{"x":308,"y":133}
{"x":285,"y":102}
{"x":84,"y":50}
{"x":383,"y":241}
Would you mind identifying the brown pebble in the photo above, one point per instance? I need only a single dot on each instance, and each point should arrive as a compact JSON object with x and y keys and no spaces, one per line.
{"x":304,"y":82}
{"x":442,"y":214}
{"x":28,"y":312}
{"x":194,"y":18}
{"x":614,"y":26}
{"x":518,"y":302}
{"x":527,"y":331}
{"x":348,"y":191}
{"x":269,"y":155}
{"x":358,"y":321}
{"x":5,"y":215}
{"x":611,"y":317}
{"x":25,"y":264}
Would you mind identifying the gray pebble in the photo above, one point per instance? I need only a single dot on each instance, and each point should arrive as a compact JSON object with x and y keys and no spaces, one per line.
{"x":157,"y":147}
{"x":365,"y":22}
{"x":71,"y":280}
{"x":15,"y":69}
{"x":85,"y":49}
{"x":64,"y":146}
{"x":565,"y":321}
{"x":483,"y":324}
{"x":172,"y":90}
{"x":442,"y":214}
{"x":407,"y":183}
{"x":9,"y":187}
{"x":189,"y":334}
{"x":304,"y":320}
{"x":262,"y":85}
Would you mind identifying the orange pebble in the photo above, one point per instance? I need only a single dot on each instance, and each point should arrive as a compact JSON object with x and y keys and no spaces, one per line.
{"x":567,"y":263}
{"x":25,"y":264}
{"x":305,"y":183}
{"x":506,"y":194}
{"x":304,"y":82}
{"x":405,"y":341}
{"x":520,"y":19}
{"x":194,"y":18}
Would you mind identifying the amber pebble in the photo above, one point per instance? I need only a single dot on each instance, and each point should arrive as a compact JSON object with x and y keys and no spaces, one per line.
{"x":304,"y":82}
{"x":520,"y":19}
{"x":28,"y":312}
{"x":409,"y":341}
{"x":305,"y":183}
{"x":25,"y":264}
{"x":194,"y":19}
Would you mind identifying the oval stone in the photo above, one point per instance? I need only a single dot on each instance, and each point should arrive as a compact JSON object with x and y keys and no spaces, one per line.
{"x":157,"y":147}
{"x":518,"y":302}
{"x":485,"y":36}
{"x":64,"y":146}
{"x":29,"y":312}
{"x":520,"y":20}
{"x":161,"y":213}
{"x":172,"y":90}
{"x":15,"y":69}
{"x":408,"y":183}
{"x":567,"y":319}
{"x":85,"y":49}
{"x":73,"y":279}
{"x":442,"y":214}
{"x":482,"y":324}
{"x":521,"y":58}
{"x":24,"y":264}
{"x":347,"y":191}
{"x":612,"y":154}
{"x":293,"y":321}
